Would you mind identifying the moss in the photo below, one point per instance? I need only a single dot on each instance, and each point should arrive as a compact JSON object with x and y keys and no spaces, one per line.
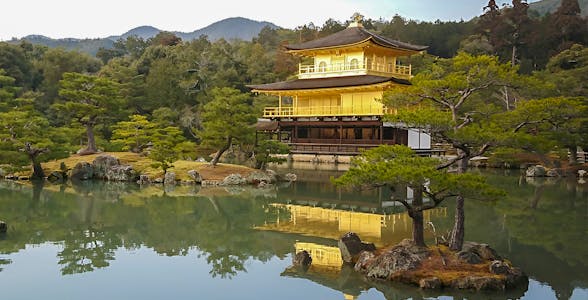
{"x":453,"y":268}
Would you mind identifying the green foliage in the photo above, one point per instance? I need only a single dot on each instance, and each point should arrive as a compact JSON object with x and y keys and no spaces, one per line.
{"x":265,"y":151}
{"x":133,"y":135}
{"x":230,"y":115}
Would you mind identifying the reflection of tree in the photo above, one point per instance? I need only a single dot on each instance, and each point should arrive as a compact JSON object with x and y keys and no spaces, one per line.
{"x":4,"y":262}
{"x":87,"y":249}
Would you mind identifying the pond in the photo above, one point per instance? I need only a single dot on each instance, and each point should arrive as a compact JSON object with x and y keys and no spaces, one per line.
{"x":121,"y":241}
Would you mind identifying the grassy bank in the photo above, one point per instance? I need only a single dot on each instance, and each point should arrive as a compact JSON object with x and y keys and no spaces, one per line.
{"x":143,"y":164}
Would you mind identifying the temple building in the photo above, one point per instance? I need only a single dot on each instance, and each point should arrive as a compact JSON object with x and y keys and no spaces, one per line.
{"x":334,"y":105}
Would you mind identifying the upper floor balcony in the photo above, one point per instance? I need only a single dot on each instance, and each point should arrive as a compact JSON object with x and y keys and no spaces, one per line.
{"x":353,"y":69}
{"x":327,"y":111}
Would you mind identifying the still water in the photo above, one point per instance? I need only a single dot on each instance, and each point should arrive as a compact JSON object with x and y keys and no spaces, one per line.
{"x":122,"y":241}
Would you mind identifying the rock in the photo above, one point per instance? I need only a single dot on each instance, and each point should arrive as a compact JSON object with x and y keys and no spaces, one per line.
{"x":430,"y":283}
{"x":210,"y":183}
{"x":469,"y":257}
{"x":582,"y":173}
{"x":302,"y":259}
{"x":120,"y":173}
{"x":195,"y":176}
{"x":536,"y":171}
{"x":478,"y":283}
{"x":56,"y":176}
{"x":102,"y":164}
{"x":143,"y":179}
{"x":262,"y":184}
{"x":552,"y":173}
{"x":402,"y":257}
{"x":290,"y":177}
{"x":516,"y":277}
{"x":169,"y":178}
{"x":3,"y":227}
{"x":363,"y":261}
{"x":82,"y":171}
{"x":350,"y":246}
{"x":499,"y":267}
{"x":258,"y":177}
{"x":475,"y":253}
{"x":158,"y":180}
{"x":233,"y":179}
{"x":201,"y":159}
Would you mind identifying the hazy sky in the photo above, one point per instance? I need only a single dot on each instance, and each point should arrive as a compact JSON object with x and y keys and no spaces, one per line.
{"x":81,"y":19}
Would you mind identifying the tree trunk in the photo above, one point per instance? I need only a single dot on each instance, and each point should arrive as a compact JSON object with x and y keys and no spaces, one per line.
{"x":573,"y":159}
{"x":220,"y":152}
{"x":37,"y":170}
{"x":418,"y":230}
{"x":91,"y":148}
{"x":462,"y":164}
{"x":458,"y":232}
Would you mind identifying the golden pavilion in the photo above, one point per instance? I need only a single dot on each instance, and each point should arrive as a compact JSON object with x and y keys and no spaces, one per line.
{"x":334,"y":105}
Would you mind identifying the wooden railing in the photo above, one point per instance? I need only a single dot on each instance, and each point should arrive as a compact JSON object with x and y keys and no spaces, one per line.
{"x":349,"y":149}
{"x":325,"y":111}
{"x":359,"y":69}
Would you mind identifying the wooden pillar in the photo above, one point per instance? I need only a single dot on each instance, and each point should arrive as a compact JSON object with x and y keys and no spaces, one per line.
{"x":382,"y":134}
{"x":280,"y":105}
{"x":340,"y":134}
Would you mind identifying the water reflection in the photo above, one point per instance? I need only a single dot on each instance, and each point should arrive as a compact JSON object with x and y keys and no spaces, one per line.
{"x":541,"y":226}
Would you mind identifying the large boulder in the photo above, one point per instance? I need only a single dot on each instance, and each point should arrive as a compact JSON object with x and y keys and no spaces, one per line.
{"x":143,"y":179}
{"x":195,"y":176}
{"x":169,"y":178}
{"x":536,"y":171}
{"x":475,"y":253}
{"x":351,"y":246}
{"x":259,"y":177}
{"x":56,"y":176}
{"x":402,"y":257}
{"x":82,"y":171}
{"x":302,"y":259}
{"x":234,"y":179}
{"x":102,"y":164}
{"x":120,"y":173}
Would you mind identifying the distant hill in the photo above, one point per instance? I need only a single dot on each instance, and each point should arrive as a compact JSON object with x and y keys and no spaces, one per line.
{"x":550,"y":6}
{"x":228,"y":29}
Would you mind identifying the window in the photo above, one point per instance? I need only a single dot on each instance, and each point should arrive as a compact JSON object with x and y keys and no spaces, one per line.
{"x":354,"y":64}
{"x":322,"y":66}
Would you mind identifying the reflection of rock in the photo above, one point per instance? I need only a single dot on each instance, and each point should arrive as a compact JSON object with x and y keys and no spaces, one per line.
{"x":302,"y":259}
{"x":478,"y":283}
{"x":351,"y":246}
{"x":552,"y":173}
{"x":536,"y":171}
{"x":430,"y":283}
{"x":290,"y":177}
{"x":82,"y":171}
{"x":582,"y":173}
{"x":3,"y":227}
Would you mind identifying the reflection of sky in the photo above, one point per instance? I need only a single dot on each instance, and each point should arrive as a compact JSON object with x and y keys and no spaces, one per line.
{"x":143,"y":274}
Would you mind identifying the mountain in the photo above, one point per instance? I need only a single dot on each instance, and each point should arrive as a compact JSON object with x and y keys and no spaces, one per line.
{"x":228,"y":29}
{"x":550,"y":6}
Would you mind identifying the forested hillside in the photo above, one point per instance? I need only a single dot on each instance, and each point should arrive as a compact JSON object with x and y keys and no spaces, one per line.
{"x":161,"y":86}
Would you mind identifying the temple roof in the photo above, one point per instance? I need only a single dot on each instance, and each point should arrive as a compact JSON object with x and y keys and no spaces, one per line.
{"x":328,"y":82}
{"x":353,"y":35}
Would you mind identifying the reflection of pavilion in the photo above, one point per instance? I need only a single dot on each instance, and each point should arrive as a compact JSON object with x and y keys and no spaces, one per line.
{"x":380,"y":229}
{"x":327,"y":269}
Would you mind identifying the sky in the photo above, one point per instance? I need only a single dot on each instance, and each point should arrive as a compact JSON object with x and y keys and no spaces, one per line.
{"x":98,"y":19}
